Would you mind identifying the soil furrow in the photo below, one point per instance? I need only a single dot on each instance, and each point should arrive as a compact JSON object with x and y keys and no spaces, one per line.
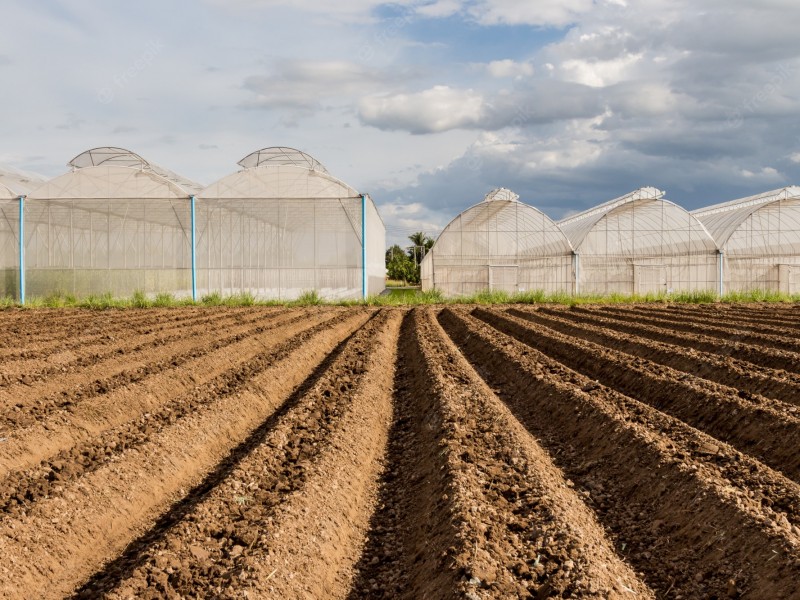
{"x":766,"y":429}
{"x":98,"y":433}
{"x":62,"y":540}
{"x":750,"y":335}
{"x":725,"y":314}
{"x":29,"y":404}
{"x":88,"y":327}
{"x":72,"y":357}
{"x":505,"y":524}
{"x":687,"y":519}
{"x":740,"y":375}
{"x":297,"y":505}
{"x":764,"y":357}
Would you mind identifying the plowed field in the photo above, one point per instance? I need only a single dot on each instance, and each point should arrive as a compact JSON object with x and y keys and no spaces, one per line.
{"x":457,"y":452}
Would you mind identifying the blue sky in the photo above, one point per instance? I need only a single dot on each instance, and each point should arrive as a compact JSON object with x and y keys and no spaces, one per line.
{"x":425,"y":104}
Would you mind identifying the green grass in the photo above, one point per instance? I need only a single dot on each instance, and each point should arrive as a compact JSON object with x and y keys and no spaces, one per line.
{"x":394,"y":297}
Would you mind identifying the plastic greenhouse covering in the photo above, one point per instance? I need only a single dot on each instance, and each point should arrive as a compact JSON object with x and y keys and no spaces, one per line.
{"x":13,"y":184}
{"x":284,"y":225}
{"x":641,"y":243}
{"x":116,"y":223}
{"x":499,"y":244}
{"x":759,"y":237}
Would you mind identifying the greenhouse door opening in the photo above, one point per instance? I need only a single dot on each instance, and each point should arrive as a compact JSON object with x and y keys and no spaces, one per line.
{"x":649,"y":279}
{"x":504,"y":278}
{"x":789,"y":279}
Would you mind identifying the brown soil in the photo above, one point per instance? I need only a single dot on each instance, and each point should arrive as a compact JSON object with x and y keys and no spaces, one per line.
{"x":594,"y":452}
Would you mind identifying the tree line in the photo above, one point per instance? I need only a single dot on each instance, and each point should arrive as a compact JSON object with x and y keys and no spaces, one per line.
{"x":402,"y":264}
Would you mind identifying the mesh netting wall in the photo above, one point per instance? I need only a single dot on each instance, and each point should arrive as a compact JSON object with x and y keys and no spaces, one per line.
{"x":279,"y":248}
{"x":87,"y":247}
{"x":9,"y":248}
{"x":376,"y":250}
{"x":764,"y":251}
{"x":499,"y":245}
{"x":647,"y":247}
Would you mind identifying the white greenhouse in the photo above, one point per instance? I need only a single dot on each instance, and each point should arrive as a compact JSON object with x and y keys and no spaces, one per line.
{"x":759,"y":238}
{"x":117,"y":223}
{"x":641,"y":243}
{"x":283,"y":225}
{"x":499,"y":244}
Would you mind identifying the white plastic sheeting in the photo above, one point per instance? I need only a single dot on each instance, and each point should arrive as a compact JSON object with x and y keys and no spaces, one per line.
{"x":759,"y":237}
{"x":283,"y":226}
{"x":640,"y":243}
{"x":108,"y":228}
{"x":499,"y":244}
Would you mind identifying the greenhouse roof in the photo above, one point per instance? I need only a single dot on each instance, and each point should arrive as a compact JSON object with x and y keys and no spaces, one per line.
{"x":281,"y":155}
{"x":14,"y":183}
{"x":578,"y":226}
{"x":501,"y":194}
{"x":723,"y":219}
{"x":112,"y":156}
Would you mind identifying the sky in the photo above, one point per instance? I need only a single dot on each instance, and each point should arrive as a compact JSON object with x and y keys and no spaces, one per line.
{"x":427,"y":105}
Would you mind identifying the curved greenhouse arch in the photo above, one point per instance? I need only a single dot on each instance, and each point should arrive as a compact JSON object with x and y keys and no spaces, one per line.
{"x":641,"y":243}
{"x":499,"y":244}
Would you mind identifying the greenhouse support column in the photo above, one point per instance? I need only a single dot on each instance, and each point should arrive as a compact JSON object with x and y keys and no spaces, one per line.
{"x":721,"y":272}
{"x":364,"y":246}
{"x":22,"y":249}
{"x":576,"y":261}
{"x":194,"y":249}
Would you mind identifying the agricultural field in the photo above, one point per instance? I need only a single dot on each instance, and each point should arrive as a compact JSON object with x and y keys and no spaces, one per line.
{"x":385,"y":452}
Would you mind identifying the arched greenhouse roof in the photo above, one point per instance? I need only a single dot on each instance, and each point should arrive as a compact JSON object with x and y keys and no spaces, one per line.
{"x":109,"y":182}
{"x":14,"y":184}
{"x":279,"y":173}
{"x":674,"y":225}
{"x":121,"y":157}
{"x":724,"y":219}
{"x":281,"y":155}
{"x":501,"y":208}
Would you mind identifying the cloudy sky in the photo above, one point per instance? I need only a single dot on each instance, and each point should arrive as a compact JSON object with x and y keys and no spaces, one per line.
{"x":425,"y":104}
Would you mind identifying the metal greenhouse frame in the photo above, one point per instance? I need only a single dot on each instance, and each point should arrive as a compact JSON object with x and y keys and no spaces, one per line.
{"x":14,"y":186}
{"x":759,"y":238}
{"x":641,"y":243}
{"x":499,"y":244}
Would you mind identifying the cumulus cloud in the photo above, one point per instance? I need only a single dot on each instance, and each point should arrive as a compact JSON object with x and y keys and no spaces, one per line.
{"x":506,"y":68}
{"x":434,"y":110}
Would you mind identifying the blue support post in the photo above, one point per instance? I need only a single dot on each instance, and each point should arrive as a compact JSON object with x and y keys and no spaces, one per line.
{"x":22,"y":249}
{"x":364,"y":246}
{"x":194,"y":251}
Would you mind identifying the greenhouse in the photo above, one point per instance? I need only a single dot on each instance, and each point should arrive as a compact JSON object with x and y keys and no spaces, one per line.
{"x":114,"y":223}
{"x":641,"y":243}
{"x":14,"y":186}
{"x":499,"y":244}
{"x":282,"y":225}
{"x":117,"y":223}
{"x":759,"y":238}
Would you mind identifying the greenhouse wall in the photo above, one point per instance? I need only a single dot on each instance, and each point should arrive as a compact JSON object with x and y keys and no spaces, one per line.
{"x":9,"y":248}
{"x":85,"y":247}
{"x":280,"y":248}
{"x":500,"y":244}
{"x":376,"y":250}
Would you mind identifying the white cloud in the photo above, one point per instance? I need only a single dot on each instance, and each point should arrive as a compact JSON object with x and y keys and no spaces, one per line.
{"x":795,"y":157}
{"x":600,"y":73}
{"x":764,"y":173}
{"x":437,"y":109}
{"x":507,"y":68}
{"x":554,"y":13}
